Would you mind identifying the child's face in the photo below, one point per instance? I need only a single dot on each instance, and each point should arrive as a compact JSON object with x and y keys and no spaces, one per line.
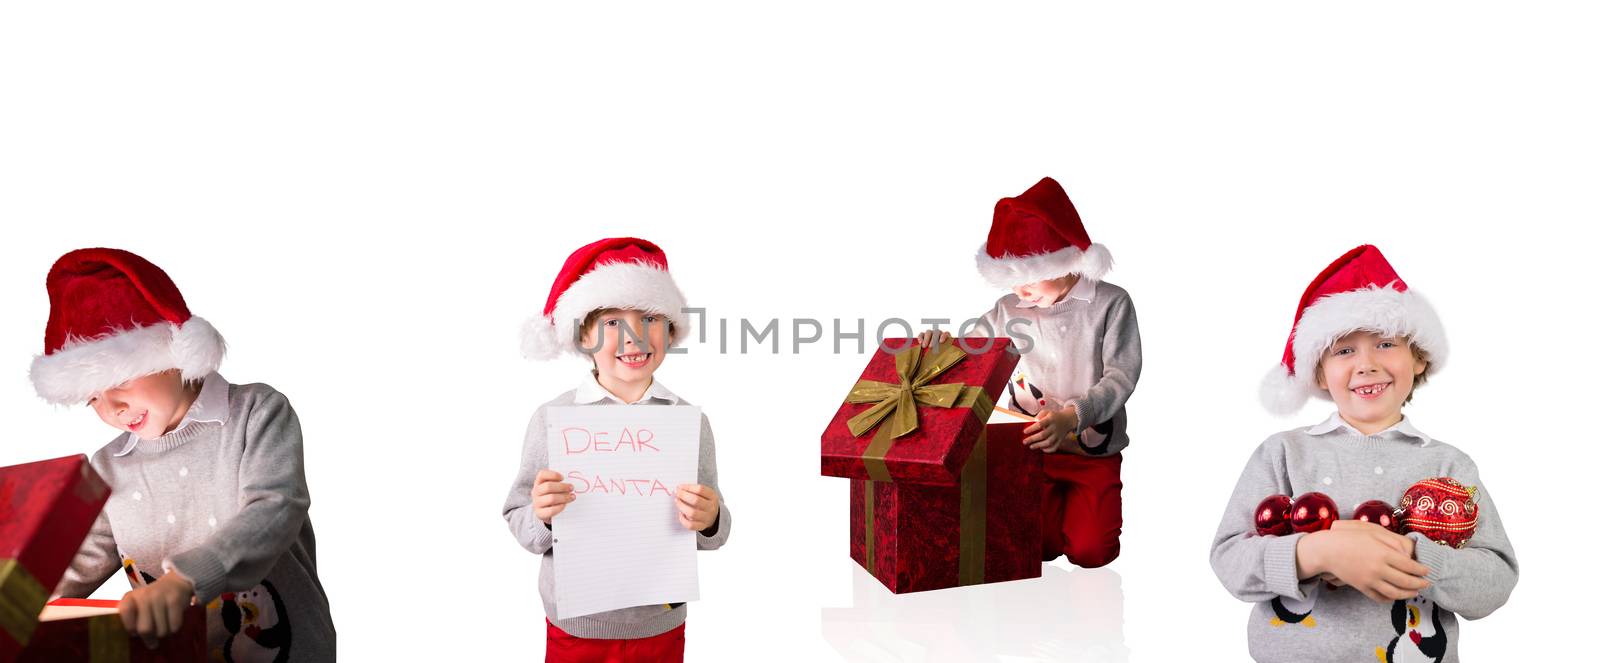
{"x":148,"y":407}
{"x":627,"y":357}
{"x":1369,"y":376}
{"x":1044,"y":293}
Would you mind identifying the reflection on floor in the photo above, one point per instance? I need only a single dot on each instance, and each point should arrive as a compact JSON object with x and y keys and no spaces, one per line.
{"x":1063,"y":615}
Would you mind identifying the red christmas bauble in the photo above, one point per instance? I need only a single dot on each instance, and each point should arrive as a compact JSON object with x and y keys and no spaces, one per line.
{"x":1378,"y":512}
{"x":1272,"y":516}
{"x":1312,"y":512}
{"x":1442,"y":509}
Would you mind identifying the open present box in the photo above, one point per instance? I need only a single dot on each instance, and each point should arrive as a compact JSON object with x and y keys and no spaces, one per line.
{"x":939,"y":497}
{"x":46,"y":510}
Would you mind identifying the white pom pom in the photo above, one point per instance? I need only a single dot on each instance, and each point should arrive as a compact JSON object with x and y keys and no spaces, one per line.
{"x":197,"y":349}
{"x":540,"y":341}
{"x":1095,"y":262}
{"x":1281,"y":393}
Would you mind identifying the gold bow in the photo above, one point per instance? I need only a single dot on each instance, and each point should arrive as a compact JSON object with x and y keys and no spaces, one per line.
{"x":898,"y":402}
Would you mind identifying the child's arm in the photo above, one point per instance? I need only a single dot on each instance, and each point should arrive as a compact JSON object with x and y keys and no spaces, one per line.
{"x":96,"y":561}
{"x":1121,"y":360}
{"x":1257,"y":568}
{"x":519,"y":511}
{"x":712,"y":538}
{"x":273,"y":502}
{"x":1476,"y":580}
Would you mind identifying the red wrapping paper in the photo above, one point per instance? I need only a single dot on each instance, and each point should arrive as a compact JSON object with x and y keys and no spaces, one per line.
{"x":937,"y":450}
{"x":46,"y":510}
{"x":916,"y":528}
{"x":102,"y":639}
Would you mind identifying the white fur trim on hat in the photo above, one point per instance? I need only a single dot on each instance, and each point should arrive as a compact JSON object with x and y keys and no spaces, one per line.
{"x":85,"y":367}
{"x":620,"y":285}
{"x":1009,"y":270}
{"x":1381,"y":310}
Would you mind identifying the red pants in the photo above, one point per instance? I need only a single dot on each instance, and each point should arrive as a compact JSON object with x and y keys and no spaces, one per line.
{"x":1082,"y":508}
{"x":562,"y":647}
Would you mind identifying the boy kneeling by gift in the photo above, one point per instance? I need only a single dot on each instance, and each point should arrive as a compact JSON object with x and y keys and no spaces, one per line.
{"x":615,"y":303}
{"x":1079,"y":339}
{"x":208,"y":491}
{"x":1363,"y":339}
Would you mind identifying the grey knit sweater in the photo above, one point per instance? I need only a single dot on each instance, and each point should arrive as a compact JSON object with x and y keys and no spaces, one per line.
{"x":225,"y":504}
{"x":1083,"y":351}
{"x":1295,"y":620}
{"x":636,"y":622}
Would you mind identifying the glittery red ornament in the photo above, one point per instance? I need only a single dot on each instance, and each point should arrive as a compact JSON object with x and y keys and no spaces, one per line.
{"x":1441,"y":509}
{"x":1312,"y":512}
{"x":1378,"y":512}
{"x":1272,"y":516}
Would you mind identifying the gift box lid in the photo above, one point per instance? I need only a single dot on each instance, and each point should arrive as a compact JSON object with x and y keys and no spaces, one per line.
{"x":46,"y":510}
{"x":915,"y":415}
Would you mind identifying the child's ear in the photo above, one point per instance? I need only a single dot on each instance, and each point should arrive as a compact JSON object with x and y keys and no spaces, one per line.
{"x":1321,"y":383}
{"x":1422,"y":365}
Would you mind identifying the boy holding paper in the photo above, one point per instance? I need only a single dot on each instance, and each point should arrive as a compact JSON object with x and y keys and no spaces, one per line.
{"x":615,"y":302}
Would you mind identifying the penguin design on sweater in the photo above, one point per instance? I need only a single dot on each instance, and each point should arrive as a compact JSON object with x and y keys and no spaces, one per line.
{"x":1025,"y":397}
{"x":1295,"y":611}
{"x":257,"y":622}
{"x":1415,"y":639}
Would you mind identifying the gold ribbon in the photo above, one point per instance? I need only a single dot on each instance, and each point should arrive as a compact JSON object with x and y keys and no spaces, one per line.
{"x":108,"y":640}
{"x":21,"y":599}
{"x":871,"y":501}
{"x":974,"y":521}
{"x":897,"y":402}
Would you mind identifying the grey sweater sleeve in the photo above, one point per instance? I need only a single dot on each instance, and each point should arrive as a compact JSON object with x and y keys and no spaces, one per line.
{"x":96,"y":561}
{"x":1121,"y":360}
{"x":529,"y":531}
{"x":1476,"y":580}
{"x":708,"y":477}
{"x":1257,"y":568}
{"x":273,"y":502}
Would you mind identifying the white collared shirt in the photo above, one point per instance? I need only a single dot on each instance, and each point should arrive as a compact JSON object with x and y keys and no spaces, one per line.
{"x":1335,"y":422}
{"x":210,"y":405}
{"x":590,"y":392}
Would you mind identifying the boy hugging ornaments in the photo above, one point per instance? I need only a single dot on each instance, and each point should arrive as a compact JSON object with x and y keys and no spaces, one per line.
{"x":1440,"y":508}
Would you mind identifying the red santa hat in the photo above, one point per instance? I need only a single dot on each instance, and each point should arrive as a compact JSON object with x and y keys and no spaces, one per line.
{"x":618,"y":272}
{"x":1359,"y":291}
{"x":115,"y":317}
{"x":1038,"y":236}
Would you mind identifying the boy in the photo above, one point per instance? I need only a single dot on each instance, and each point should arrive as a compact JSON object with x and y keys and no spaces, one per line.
{"x":1364,"y":340}
{"x":615,"y":302}
{"x":1081,"y":358}
{"x":209,"y":500}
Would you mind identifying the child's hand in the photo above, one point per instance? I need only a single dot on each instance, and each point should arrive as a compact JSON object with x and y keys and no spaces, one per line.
{"x":156,"y":610}
{"x":925,"y":339}
{"x":697,"y":506}
{"x":1052,"y":429}
{"x":550,"y":495}
{"x":1365,"y":556}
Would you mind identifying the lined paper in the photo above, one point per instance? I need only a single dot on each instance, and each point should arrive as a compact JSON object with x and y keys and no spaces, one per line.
{"x":619,"y":544}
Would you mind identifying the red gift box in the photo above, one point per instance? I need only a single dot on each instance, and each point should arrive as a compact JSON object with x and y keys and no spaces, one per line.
{"x":91,"y":630}
{"x":938,"y":497}
{"x":46,"y":509}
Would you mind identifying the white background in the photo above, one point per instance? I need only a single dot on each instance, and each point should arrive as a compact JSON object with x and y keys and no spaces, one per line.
{"x":368,"y":199}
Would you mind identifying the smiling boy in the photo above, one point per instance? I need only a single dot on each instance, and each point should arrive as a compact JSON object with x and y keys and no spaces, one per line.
{"x":615,"y":303}
{"x":1364,"y":340}
{"x":1081,"y":358}
{"x":209,"y":502}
